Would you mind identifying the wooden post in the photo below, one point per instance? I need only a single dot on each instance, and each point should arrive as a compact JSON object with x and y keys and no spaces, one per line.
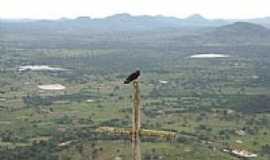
{"x":136,"y":150}
{"x":136,"y":111}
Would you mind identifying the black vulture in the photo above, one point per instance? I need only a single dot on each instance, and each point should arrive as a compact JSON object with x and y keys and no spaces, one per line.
{"x":133,"y":76}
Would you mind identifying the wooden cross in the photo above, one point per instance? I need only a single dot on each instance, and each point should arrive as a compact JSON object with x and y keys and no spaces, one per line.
{"x":135,"y":132}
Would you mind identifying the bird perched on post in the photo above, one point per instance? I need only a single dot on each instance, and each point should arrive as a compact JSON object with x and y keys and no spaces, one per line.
{"x":133,"y":76}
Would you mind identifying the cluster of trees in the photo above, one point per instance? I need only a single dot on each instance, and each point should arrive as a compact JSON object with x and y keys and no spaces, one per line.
{"x":37,"y":100}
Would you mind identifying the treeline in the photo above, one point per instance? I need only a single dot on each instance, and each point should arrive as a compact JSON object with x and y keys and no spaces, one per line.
{"x":49,"y":100}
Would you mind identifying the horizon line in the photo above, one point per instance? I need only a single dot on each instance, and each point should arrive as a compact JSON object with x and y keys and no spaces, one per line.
{"x":132,"y":15}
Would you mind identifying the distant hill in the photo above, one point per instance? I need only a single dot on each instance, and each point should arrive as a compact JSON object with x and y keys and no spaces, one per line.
{"x":238,"y":33}
{"x":126,"y":22}
{"x":265,"y":21}
{"x":199,"y":20}
{"x":118,"y":22}
{"x":242,"y":29}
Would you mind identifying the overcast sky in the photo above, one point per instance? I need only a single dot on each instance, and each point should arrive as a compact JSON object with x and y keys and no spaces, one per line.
{"x":53,"y":9}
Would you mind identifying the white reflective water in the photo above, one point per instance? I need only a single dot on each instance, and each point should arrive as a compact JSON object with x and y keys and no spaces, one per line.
{"x":209,"y":56}
{"x":52,"y":87}
{"x":39,"y":68}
